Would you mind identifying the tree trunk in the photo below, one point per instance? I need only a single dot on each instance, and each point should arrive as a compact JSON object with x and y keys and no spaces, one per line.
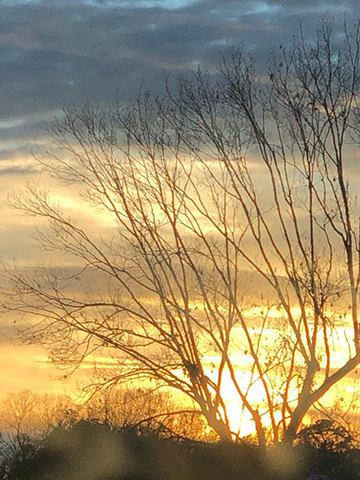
{"x":219,"y":427}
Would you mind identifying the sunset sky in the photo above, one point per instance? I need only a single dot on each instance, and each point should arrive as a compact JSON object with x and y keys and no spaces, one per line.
{"x":61,"y":52}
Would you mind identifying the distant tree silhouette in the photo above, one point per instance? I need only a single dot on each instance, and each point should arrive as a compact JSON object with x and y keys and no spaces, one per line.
{"x":129,"y":453}
{"x":157,"y":410}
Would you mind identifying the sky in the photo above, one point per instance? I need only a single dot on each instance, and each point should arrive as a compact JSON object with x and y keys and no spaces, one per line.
{"x":56,"y":53}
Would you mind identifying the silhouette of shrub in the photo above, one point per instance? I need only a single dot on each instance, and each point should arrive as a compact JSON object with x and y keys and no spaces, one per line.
{"x":89,"y":450}
{"x":93,"y":451}
{"x":326,"y":435}
{"x":328,"y":448}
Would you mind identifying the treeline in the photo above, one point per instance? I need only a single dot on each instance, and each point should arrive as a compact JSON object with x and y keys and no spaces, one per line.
{"x":27,"y":415}
{"x":143,"y":435}
{"x":28,"y":420}
{"x":93,"y":450}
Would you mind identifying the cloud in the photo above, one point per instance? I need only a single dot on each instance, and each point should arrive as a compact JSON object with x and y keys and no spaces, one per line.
{"x":75,"y":51}
{"x":24,"y":170}
{"x":60,"y":52}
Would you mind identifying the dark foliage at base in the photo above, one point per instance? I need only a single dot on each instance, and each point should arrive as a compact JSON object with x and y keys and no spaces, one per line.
{"x":93,"y":451}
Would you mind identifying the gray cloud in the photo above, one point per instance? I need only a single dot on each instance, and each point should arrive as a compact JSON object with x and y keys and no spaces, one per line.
{"x":22,"y":151}
{"x":19,"y":170}
{"x":58,"y":52}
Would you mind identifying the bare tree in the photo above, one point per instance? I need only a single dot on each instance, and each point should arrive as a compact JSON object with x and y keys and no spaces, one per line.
{"x":18,"y":420}
{"x":233,"y":270}
{"x":146,"y":409}
{"x":26,"y":417}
